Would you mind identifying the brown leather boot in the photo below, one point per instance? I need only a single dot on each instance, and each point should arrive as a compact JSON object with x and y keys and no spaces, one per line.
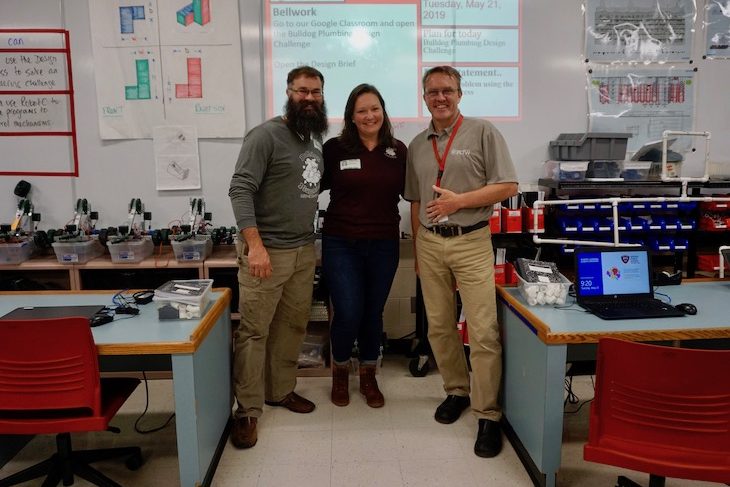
{"x":340,"y":385}
{"x":243,"y":433}
{"x":369,"y":387}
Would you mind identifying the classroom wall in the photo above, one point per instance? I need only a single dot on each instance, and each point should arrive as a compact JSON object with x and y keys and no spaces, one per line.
{"x":113,"y":172}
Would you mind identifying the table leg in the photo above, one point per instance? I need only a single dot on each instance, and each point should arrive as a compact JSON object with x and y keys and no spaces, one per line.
{"x":533,"y":397}
{"x":203,"y":401}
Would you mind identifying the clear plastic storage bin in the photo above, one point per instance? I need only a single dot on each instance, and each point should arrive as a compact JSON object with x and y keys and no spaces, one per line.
{"x":196,"y":248}
{"x":635,"y":170}
{"x":547,"y":293}
{"x":130,"y":251}
{"x":566,"y":171}
{"x":313,"y":352}
{"x":674,"y":170}
{"x":77,"y":252}
{"x":15,"y":253}
{"x":183,"y":299}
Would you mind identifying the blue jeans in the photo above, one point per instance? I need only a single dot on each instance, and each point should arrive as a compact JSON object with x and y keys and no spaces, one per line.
{"x":358,"y":274}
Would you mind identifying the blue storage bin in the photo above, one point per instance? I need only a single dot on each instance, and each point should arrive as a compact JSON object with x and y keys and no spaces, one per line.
{"x":590,"y":225}
{"x":637,"y":224}
{"x":570,"y":225}
{"x":687,"y":206}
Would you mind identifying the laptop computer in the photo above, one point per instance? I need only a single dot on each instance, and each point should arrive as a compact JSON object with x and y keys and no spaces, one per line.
{"x":614,"y":283}
{"x":45,"y":312}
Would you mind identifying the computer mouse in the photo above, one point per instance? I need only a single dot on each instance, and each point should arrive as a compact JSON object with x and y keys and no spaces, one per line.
{"x":100,"y":319}
{"x":687,"y":308}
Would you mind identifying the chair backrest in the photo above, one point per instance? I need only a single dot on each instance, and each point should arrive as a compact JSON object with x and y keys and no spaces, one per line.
{"x":48,"y":364}
{"x":664,"y":399}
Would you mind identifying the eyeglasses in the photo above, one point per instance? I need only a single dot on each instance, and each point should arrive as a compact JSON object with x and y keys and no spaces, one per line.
{"x":447,"y":93}
{"x":304,"y":92}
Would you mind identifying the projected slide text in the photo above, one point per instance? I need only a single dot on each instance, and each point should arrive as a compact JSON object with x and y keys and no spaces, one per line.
{"x":391,"y":45}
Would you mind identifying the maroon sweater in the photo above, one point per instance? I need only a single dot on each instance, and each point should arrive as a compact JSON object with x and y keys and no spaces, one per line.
{"x":364,"y":200}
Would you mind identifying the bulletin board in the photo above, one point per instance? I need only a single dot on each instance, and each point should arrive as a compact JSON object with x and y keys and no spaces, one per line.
{"x":37,"y":123}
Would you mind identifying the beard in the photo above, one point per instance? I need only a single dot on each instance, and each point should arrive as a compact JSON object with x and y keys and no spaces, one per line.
{"x":303,"y":120}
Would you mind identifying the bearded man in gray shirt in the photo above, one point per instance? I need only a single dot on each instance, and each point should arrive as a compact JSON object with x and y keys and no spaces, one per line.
{"x":274,"y":193}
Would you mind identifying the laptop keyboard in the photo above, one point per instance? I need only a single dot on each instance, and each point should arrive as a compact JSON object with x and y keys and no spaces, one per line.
{"x":636,"y":304}
{"x":626,"y":309}
{"x":643,"y":305}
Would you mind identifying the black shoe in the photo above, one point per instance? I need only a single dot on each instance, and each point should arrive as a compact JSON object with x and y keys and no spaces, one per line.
{"x":452,"y":407}
{"x":489,"y":439}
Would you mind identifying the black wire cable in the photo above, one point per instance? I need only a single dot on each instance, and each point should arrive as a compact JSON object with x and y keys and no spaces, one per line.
{"x":124,"y":304}
{"x":569,"y":306}
{"x":146,"y":406}
{"x":571,"y":398}
{"x":576,"y":399}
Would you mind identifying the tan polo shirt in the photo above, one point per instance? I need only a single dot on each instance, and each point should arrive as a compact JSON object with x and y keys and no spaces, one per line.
{"x":478,"y":157}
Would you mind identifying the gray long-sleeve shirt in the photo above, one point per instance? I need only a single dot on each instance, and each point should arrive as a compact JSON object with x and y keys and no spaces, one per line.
{"x":276,"y":184}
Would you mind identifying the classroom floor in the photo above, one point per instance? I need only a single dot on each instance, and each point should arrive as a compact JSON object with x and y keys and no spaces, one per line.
{"x":398,"y":445}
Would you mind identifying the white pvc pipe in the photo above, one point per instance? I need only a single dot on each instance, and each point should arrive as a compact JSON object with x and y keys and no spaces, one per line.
{"x":683,"y":179}
{"x":614,"y":201}
{"x":722,"y":259}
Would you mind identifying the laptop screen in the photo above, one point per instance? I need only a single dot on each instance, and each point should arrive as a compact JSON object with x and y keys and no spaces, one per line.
{"x":612,"y":272}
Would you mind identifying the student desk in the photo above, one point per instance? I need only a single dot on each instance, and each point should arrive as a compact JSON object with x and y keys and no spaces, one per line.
{"x":198,"y":351}
{"x":536,"y":343}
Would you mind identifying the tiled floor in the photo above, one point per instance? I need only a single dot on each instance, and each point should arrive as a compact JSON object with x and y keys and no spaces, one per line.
{"x":397,"y":445}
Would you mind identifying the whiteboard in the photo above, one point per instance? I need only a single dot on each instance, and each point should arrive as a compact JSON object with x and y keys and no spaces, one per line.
{"x":553,"y":100}
{"x":36,"y":103}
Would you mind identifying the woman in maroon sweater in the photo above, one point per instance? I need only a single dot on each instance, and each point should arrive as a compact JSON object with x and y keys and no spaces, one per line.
{"x":365,"y":173}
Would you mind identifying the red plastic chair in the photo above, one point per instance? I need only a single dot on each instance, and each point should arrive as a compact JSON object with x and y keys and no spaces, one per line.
{"x":49,"y":384}
{"x":661,"y":410}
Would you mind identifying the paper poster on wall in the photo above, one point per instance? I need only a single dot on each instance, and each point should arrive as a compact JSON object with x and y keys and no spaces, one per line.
{"x":37,"y":124}
{"x":167,"y":62}
{"x":642,"y":102}
{"x":177,"y":163}
{"x":639,"y":30}
{"x":717,"y":29}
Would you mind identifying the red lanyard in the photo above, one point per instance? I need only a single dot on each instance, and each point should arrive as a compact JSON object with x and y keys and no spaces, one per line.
{"x":442,"y":160}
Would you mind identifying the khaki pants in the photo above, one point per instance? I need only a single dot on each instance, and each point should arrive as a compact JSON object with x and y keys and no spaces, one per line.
{"x":274,"y":317}
{"x":466,"y":261}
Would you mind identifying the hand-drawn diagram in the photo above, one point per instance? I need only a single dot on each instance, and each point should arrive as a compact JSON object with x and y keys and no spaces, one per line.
{"x":152,"y":59}
{"x":198,"y":12}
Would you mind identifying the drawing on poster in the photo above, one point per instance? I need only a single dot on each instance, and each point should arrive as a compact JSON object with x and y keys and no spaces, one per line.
{"x":717,"y":28}
{"x":639,"y":30}
{"x":177,"y":170}
{"x":198,"y":12}
{"x":176,"y":157}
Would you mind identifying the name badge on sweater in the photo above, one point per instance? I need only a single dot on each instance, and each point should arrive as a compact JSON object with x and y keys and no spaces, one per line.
{"x":350,"y":164}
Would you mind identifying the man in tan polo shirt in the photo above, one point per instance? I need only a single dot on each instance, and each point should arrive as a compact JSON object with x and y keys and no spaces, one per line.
{"x":457,"y":169}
